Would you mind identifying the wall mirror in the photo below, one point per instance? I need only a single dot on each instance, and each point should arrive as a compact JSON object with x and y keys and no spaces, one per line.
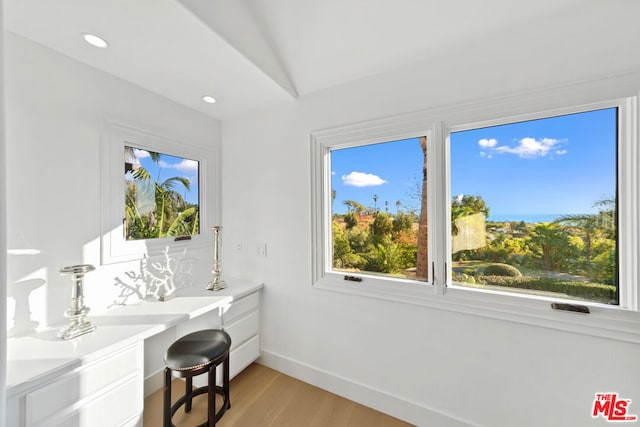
{"x":152,"y":195}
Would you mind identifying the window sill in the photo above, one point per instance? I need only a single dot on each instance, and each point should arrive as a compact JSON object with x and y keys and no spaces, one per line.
{"x":604,"y":321}
{"x":117,"y":250}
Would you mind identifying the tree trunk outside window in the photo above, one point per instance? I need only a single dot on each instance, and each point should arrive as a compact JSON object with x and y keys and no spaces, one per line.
{"x":422,"y":263}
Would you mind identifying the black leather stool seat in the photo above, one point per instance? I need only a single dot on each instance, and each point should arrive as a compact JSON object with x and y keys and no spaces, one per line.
{"x":195,"y":354}
{"x":197,"y":349}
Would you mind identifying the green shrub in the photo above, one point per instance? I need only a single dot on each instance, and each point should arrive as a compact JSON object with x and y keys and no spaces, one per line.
{"x":388,"y":257}
{"x":585,"y":290}
{"x":350,"y":220}
{"x":502,"y":270}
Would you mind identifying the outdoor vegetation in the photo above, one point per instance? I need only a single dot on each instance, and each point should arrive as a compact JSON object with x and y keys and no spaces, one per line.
{"x":156,"y":208}
{"x":538,"y":167}
{"x":573,"y":256}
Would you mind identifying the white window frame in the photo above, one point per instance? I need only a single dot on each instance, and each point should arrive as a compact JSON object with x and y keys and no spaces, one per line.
{"x":626,"y":242}
{"x":114,"y":246}
{"x":616,"y":322}
{"x":323,"y":142}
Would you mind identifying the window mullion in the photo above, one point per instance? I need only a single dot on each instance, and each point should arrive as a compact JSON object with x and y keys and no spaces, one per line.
{"x":438,"y":183}
{"x":629,"y":204}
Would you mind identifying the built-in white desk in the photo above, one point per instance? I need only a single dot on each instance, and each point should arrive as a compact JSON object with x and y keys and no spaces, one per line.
{"x":100,"y":379}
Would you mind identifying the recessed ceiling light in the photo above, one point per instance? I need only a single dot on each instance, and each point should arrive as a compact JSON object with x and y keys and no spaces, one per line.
{"x":209,"y":99}
{"x":94,"y":40}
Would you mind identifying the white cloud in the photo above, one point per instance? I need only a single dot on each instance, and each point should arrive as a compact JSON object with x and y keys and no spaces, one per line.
{"x":361,"y":179}
{"x":487,"y":143}
{"x":531,"y":148}
{"x":186,"y":165}
{"x":141,"y":154}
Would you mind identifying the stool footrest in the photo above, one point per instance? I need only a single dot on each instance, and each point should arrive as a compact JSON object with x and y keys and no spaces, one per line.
{"x":203,"y":390}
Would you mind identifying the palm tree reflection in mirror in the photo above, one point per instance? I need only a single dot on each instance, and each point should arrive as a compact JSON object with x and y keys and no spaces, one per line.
{"x":155,"y":207}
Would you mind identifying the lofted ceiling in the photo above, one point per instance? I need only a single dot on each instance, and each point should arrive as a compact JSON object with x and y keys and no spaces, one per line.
{"x":254,"y":54}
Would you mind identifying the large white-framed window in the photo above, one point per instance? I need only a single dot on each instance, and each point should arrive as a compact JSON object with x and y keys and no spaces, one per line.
{"x":534,"y":204}
{"x":153,"y":191}
{"x":614,"y":310}
{"x":354,"y":208}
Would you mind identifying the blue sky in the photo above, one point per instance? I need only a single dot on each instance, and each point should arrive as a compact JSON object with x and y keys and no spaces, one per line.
{"x":392,"y":171}
{"x":559,"y":165}
{"x":170,"y":166}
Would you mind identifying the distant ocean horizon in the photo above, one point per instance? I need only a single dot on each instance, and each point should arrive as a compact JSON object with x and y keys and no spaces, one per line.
{"x":530,"y":218}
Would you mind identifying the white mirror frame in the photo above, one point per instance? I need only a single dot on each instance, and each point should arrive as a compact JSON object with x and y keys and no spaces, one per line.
{"x":114,"y":246}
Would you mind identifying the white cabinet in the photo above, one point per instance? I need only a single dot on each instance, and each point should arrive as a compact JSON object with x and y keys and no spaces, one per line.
{"x":100,"y":379}
{"x":103,"y":392}
{"x":241,"y":320}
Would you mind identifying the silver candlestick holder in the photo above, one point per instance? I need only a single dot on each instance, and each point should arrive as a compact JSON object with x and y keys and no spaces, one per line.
{"x":77,"y":311}
{"x":217,"y":283}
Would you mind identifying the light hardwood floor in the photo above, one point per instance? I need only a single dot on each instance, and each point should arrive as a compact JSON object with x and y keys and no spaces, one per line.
{"x":262,"y":397}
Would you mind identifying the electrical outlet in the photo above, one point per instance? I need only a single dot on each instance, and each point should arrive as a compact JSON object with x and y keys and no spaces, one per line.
{"x":239,"y":248}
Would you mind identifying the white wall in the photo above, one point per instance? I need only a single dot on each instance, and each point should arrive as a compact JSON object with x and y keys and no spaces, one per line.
{"x":3,"y":224}
{"x":427,"y":366}
{"x":423,"y":365}
{"x":56,"y":109}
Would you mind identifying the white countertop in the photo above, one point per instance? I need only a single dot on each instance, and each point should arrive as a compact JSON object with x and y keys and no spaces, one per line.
{"x":41,"y":355}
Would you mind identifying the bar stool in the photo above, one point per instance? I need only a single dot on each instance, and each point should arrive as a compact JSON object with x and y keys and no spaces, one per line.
{"x":194,"y":354}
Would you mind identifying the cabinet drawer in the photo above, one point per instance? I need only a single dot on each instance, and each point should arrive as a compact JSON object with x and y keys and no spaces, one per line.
{"x":240,"y":307}
{"x":245,"y":345}
{"x":240,"y":358}
{"x":244,"y":355}
{"x":116,"y":408}
{"x":243,"y":328}
{"x":62,"y":394}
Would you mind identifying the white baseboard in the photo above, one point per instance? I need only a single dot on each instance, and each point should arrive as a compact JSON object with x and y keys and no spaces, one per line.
{"x":153,"y":383}
{"x":382,"y":401}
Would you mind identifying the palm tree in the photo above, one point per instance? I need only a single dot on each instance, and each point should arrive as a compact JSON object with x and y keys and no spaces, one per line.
{"x":552,"y":242}
{"x":166,"y":213}
{"x":588,"y":224}
{"x":422,"y":261}
{"x":465,"y":205}
{"x":169,"y":203}
{"x":353,"y":206}
{"x":607,"y":215}
{"x":593,"y":224}
{"x":130,"y":159}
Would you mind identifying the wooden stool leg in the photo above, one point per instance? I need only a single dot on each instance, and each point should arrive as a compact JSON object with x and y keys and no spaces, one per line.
{"x":225,"y":381}
{"x":211,"y":393}
{"x":167,"y":397}
{"x":188,"y":392}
